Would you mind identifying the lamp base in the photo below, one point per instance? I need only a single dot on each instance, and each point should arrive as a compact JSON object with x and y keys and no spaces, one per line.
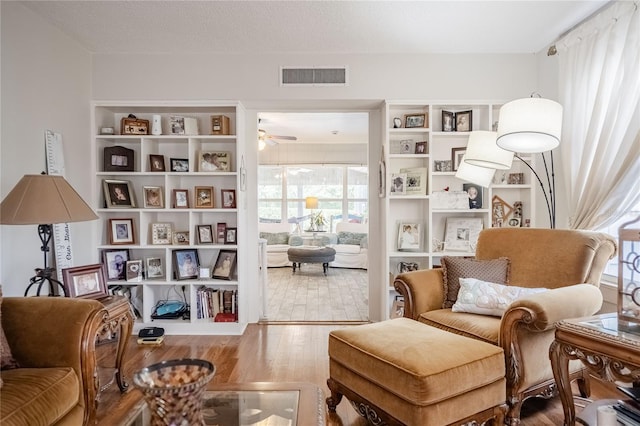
{"x":45,"y":276}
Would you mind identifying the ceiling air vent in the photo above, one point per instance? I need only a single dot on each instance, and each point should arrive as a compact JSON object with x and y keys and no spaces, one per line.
{"x":313,"y":76}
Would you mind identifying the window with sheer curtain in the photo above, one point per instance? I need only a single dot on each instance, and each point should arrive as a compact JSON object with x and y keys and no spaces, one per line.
{"x":342,"y":193}
{"x":600,"y":89}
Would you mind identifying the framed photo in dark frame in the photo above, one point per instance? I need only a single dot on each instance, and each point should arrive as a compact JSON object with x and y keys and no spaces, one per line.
{"x":179,"y":164}
{"x":118,"y":159}
{"x":156,"y":163}
{"x":463,"y":121}
{"x":204,"y":234}
{"x":115,"y":262}
{"x":85,"y":282}
{"x":456,"y":156}
{"x":186,"y":264}
{"x":231,"y":235}
{"x":448,"y":121}
{"x":415,"y":120}
{"x":228,"y":198}
{"x":118,"y":194}
{"x":225,"y":264}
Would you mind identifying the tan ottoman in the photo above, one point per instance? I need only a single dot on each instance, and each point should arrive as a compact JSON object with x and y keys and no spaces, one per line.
{"x":404,"y":372}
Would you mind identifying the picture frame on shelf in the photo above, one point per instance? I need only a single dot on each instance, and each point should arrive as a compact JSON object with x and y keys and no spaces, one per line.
{"x":154,"y":268}
{"x":416,"y":180}
{"x":153,"y":198}
{"x":118,"y":194}
{"x":85,"y":282}
{"x":461,"y":233}
{"x":415,"y":120}
{"x":220,"y":125}
{"x":475,"y":193}
{"x":180,"y":198}
{"x":115,"y":262}
{"x":179,"y":164}
{"x":409,"y":236}
{"x":228,"y":198}
{"x":204,"y":234}
{"x":448,"y":121}
{"x":221,"y":227}
{"x":134,"y":271}
{"x":186,"y":264}
{"x":118,"y":159}
{"x":397,"y":123}
{"x":231,"y":235}
{"x":442,"y":166}
{"x":421,"y":147}
{"x":214,"y":161}
{"x":161,"y":233}
{"x":121,"y":231}
{"x":515,"y":179}
{"x":204,"y":273}
{"x":464,"y":121}
{"x":181,"y":238}
{"x":156,"y":163}
{"x":204,"y":197}
{"x":398,"y":184}
{"x":514,"y":222}
{"x":134,"y":126}
{"x":456,"y":157}
{"x":500,"y":211}
{"x":225,"y":265}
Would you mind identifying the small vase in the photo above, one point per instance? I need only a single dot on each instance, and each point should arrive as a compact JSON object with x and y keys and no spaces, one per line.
{"x":173,"y":390}
{"x":156,"y":125}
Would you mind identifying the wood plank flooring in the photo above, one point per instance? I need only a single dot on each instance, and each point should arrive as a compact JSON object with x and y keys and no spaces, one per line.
{"x":270,"y":352}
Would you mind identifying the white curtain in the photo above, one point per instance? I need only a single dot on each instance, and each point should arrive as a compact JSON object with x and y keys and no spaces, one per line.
{"x":600,"y":90}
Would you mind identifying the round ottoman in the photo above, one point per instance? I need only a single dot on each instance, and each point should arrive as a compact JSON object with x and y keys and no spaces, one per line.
{"x":300,"y":255}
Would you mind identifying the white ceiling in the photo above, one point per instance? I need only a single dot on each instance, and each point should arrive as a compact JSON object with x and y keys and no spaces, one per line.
{"x":297,"y":26}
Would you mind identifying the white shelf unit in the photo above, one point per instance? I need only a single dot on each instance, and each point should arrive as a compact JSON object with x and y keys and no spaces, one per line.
{"x":419,"y":209}
{"x":148,"y":292}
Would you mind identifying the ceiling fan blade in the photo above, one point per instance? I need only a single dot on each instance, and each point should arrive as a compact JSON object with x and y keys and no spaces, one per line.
{"x":271,"y":142}
{"x":286,"y":138}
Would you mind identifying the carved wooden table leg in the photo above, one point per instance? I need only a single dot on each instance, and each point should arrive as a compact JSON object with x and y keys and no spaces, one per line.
{"x":558,"y":353}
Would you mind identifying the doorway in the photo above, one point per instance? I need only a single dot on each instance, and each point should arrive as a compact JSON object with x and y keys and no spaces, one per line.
{"x":319,"y":156}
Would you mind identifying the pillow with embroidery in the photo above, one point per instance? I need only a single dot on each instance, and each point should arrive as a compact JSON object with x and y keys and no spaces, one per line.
{"x":486,"y":298}
{"x":454,"y":268}
{"x":352,"y":238}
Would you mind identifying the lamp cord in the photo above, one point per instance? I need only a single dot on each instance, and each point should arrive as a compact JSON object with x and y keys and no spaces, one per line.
{"x":550,"y":197}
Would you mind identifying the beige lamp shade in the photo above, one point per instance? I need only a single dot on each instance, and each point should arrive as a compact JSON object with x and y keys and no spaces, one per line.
{"x":530,"y":125}
{"x":44,"y":199}
{"x":311,"y":203}
{"x":475,"y":174}
{"x":483,"y":151}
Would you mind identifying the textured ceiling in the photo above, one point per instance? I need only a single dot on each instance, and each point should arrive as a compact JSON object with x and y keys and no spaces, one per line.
{"x":315,"y":26}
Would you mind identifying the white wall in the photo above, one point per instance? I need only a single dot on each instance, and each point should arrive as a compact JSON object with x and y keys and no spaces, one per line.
{"x":45,"y":85}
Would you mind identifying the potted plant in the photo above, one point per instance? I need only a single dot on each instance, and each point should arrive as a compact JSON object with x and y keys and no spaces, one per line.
{"x":318,"y":221}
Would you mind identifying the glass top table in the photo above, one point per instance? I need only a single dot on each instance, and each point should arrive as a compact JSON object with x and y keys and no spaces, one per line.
{"x":253,"y":404}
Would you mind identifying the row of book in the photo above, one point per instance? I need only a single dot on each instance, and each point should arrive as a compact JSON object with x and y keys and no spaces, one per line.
{"x":219,"y":304}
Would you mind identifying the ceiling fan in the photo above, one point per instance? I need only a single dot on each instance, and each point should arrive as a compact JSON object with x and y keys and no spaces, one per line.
{"x":265,"y":138}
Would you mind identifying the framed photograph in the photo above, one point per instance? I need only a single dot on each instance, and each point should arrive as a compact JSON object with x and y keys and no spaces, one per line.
{"x":500,"y":211}
{"x":205,"y":234}
{"x":515,"y":179}
{"x":153,"y":197}
{"x":134,"y":126}
{"x":514,"y":222}
{"x":161,"y":233}
{"x":442,"y":165}
{"x":398,"y":181}
{"x":225,"y":264}
{"x":185,"y":264}
{"x":121,"y":231}
{"x":179,"y":164}
{"x":220,"y":232}
{"x":180,"y":198}
{"x":461,"y":233}
{"x":204,"y":197}
{"x":416,"y":181}
{"x":456,"y":157}
{"x":156,"y":163}
{"x":463,"y":121}
{"x":415,"y":120}
{"x":181,"y":238}
{"x":154,"y":267}
{"x":448,"y":121}
{"x":231,"y":235}
{"x":228,"y":198}
{"x":409,"y":237}
{"x":118,"y":159}
{"x":115,"y":263}
{"x":118,"y":194}
{"x":475,"y":195}
{"x":214,"y":161}
{"x":134,"y":271}
{"x":421,"y":147}
{"x":85,"y":282}
{"x":397,"y":310}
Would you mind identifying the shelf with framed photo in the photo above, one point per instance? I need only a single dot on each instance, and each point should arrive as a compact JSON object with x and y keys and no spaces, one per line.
{"x":437,"y":151}
{"x":159,"y":197}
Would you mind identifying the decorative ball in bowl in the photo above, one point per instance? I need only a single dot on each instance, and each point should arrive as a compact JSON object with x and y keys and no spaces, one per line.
{"x":173,"y":390}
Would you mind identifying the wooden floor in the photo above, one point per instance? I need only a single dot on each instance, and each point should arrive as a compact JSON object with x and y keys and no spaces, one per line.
{"x":272,"y":353}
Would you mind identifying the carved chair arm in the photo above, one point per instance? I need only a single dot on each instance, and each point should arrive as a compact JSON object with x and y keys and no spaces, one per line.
{"x":423,"y":291}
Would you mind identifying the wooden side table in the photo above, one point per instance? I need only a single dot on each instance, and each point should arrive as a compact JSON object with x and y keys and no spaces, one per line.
{"x":606,"y":351}
{"x":119,"y":320}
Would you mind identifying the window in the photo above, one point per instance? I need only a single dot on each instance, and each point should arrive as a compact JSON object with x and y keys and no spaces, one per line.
{"x":611,"y":271}
{"x":342,"y":193}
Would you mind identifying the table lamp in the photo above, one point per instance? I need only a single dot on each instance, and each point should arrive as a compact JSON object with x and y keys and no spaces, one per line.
{"x":311,"y":203}
{"x":44,"y":200}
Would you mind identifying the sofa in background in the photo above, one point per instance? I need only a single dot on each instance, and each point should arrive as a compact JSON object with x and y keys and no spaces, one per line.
{"x":277,"y":236}
{"x":351,"y":245}
{"x":52,"y":339}
{"x":566,"y":264}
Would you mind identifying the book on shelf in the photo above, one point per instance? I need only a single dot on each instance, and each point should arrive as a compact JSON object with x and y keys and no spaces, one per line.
{"x":225,"y":317}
